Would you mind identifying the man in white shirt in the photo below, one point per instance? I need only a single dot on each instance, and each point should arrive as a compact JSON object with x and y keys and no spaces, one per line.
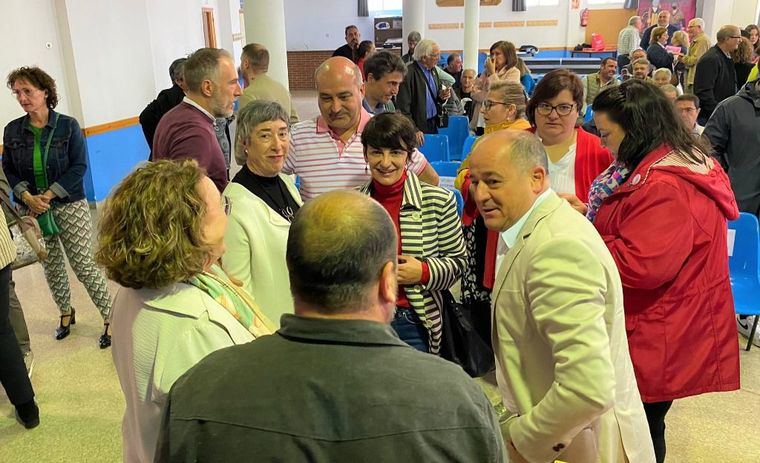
{"x":628,"y":40}
{"x":558,"y":327}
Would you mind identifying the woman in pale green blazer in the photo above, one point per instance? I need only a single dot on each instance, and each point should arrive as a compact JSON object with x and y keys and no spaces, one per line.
{"x":265,"y":202}
{"x":176,"y":305}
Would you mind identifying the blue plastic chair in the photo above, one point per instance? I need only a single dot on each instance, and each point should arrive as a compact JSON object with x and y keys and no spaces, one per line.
{"x":446,"y":168}
{"x":467,"y":146}
{"x":436,"y":147}
{"x":460,"y":201}
{"x":743,"y":266}
{"x":589,"y":114}
{"x":457,"y":131}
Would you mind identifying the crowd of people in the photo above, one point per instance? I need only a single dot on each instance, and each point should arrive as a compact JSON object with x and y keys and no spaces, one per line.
{"x":583,"y":251}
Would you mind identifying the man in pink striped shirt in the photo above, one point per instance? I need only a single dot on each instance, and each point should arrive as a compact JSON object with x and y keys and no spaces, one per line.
{"x":326,"y":152}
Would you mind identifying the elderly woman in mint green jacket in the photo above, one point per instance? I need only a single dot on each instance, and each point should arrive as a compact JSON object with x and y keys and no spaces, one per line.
{"x":265,"y":202}
{"x":176,"y":305}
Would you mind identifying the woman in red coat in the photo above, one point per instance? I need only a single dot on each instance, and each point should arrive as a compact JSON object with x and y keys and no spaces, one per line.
{"x":662,"y":209}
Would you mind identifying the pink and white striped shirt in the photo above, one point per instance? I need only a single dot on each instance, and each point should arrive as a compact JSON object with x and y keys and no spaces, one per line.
{"x":325,"y":163}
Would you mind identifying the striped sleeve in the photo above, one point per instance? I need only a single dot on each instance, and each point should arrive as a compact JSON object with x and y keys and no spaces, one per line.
{"x":419,"y":162}
{"x":447,"y":266}
{"x":7,"y":247}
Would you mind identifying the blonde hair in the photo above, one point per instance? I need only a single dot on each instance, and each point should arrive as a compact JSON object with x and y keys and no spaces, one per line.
{"x":680,"y":38}
{"x":151,"y":228}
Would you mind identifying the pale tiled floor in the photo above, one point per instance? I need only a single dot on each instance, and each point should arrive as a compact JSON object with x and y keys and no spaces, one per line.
{"x":81,"y":402}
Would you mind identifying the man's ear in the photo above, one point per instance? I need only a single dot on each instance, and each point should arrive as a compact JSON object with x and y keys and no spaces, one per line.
{"x":388,"y":285}
{"x":207,"y":88}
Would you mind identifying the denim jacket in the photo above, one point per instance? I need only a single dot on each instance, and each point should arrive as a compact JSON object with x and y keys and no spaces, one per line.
{"x":66,"y":163}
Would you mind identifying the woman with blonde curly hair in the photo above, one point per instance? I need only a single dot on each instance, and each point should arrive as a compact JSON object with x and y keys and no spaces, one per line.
{"x":161,"y":235}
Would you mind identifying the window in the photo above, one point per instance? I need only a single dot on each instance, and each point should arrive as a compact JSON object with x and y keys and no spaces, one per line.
{"x":385,"y":7}
{"x":606,"y":2}
{"x":534,"y":3}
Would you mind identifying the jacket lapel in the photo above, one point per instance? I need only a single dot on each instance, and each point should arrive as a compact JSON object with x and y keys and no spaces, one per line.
{"x":547,"y":207}
{"x":410,"y":215}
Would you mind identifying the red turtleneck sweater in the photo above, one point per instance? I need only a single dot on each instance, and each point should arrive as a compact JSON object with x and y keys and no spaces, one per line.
{"x":391,"y":197}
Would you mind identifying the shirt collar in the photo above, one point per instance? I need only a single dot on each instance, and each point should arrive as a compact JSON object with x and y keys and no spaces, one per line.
{"x":322,"y":126}
{"x":510,"y":234}
{"x":327,"y":330}
{"x":379,"y":109}
{"x":199,"y":107}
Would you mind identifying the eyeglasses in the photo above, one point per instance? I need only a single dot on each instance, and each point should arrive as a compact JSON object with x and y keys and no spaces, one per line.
{"x":227,"y":205}
{"x":488,"y":104}
{"x":735,"y":37}
{"x":27,"y":92}
{"x":563,"y":109}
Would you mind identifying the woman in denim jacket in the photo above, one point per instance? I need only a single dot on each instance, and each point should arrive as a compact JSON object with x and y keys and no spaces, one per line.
{"x":45,"y":159}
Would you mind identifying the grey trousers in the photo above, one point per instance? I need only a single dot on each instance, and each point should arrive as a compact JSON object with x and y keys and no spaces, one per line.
{"x":18,"y":322}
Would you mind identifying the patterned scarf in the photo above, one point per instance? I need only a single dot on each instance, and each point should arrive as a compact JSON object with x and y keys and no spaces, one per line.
{"x":604,"y":185}
{"x":240,"y":304}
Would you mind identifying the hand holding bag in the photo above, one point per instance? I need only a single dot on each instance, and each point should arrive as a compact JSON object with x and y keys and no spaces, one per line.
{"x":27,"y":237}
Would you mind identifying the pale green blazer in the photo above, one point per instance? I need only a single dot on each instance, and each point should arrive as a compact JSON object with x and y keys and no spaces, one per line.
{"x":256,"y":240}
{"x":560,"y":343}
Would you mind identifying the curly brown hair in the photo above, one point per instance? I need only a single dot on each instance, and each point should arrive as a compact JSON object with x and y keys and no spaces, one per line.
{"x":39,"y":79}
{"x":151,"y":228}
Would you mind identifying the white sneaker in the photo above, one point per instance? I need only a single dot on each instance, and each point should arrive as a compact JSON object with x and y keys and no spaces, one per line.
{"x":745,"y":326}
{"x":29,"y":362}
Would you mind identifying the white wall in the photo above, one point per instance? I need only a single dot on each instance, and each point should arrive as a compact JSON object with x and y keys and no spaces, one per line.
{"x":323,"y":28}
{"x":326,"y":32}
{"x":717,"y":13}
{"x":26,"y":46}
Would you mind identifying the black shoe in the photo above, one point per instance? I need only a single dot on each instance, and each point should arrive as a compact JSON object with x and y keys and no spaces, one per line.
{"x":28,"y":414}
{"x":64,"y":330}
{"x":105,"y":338}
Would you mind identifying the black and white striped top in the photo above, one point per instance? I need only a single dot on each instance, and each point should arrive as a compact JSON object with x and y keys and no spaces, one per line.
{"x":431,"y":232}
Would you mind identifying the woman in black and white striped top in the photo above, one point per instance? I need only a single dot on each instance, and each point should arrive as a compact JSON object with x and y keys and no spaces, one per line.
{"x":431,"y":248}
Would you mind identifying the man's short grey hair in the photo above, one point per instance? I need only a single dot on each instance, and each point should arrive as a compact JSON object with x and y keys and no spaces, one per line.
{"x":633,"y":20}
{"x":257,"y":55}
{"x":699,"y":22}
{"x":414,"y":36}
{"x":726,"y":32}
{"x":663,"y":71}
{"x":669,"y":88}
{"x":177,"y":69}
{"x":253,"y":114}
{"x":338,"y":244}
{"x":423,"y":48}
{"x":202,"y":65}
{"x":526,"y":151}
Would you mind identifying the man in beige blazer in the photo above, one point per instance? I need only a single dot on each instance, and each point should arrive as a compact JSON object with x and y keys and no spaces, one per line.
{"x":558,"y":333}
{"x":700,"y":43}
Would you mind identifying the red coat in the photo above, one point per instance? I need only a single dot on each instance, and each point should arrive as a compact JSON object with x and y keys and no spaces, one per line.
{"x":666,"y":229}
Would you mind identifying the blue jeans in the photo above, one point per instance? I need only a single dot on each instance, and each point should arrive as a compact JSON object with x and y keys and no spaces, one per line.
{"x":410,"y":329}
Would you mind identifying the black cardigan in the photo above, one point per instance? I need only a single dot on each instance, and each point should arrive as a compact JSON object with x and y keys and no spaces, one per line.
{"x":412,"y":95}
{"x":714,"y":81}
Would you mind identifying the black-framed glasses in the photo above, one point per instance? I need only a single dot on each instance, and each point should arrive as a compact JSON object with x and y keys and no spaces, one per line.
{"x":488,"y":104}
{"x":227,"y":205}
{"x":735,"y":36}
{"x":563,"y":109}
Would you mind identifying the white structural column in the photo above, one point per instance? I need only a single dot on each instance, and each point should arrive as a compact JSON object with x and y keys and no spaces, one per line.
{"x":471,"y":33}
{"x":265,"y":24}
{"x":413,"y":14}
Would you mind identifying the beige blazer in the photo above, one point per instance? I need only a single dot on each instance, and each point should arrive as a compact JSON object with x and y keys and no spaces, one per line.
{"x":560,"y":344}
{"x":698,"y":47}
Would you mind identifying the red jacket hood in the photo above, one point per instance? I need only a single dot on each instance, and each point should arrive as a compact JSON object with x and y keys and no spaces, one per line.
{"x":715,"y":184}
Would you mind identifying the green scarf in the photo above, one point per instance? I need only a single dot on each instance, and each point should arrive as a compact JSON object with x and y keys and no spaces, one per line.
{"x":40,"y":157}
{"x":240,"y":304}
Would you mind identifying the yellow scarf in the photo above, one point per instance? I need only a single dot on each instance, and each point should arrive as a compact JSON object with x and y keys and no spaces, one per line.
{"x":517,"y":124}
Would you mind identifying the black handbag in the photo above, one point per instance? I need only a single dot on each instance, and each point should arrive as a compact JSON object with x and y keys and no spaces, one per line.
{"x":460,"y":341}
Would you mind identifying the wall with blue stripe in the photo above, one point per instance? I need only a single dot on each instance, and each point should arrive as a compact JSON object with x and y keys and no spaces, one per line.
{"x":113,"y":155}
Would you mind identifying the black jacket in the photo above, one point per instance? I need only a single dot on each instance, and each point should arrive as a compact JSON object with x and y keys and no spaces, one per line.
{"x":714,"y":81}
{"x":659,"y":57}
{"x":166,"y":100}
{"x":734,"y":132}
{"x":646,"y":36}
{"x":412,"y":95}
{"x":345,"y":51}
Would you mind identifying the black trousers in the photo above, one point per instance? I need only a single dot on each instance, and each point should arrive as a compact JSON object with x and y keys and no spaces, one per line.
{"x":13,"y":374}
{"x":431,"y":125}
{"x":656,"y":412}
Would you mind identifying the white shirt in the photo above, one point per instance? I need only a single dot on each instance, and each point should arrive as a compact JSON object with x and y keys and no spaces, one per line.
{"x":200,"y":108}
{"x":562,"y":173}
{"x":508,"y":237}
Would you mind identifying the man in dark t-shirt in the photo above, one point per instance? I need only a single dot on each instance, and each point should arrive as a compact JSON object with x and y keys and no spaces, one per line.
{"x":352,"y":44}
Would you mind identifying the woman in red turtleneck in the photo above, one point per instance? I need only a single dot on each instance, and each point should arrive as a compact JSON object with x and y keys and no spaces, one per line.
{"x":431,"y":251}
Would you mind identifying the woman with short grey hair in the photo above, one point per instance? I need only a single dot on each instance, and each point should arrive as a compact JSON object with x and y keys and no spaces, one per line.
{"x":265,"y":201}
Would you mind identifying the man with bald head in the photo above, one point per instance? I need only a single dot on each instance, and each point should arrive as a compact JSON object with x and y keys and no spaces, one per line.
{"x":663,"y":20}
{"x":715,"y":77}
{"x":326,"y":152}
{"x":334,"y":383}
{"x":558,"y":328}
